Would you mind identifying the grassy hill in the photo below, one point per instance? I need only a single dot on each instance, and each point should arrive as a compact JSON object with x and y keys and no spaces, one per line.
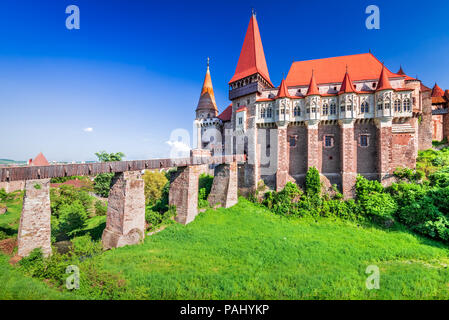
{"x":247,"y":252}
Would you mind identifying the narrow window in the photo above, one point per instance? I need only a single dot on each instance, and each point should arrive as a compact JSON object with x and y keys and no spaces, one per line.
{"x":397,"y":105}
{"x":333,"y":108}
{"x":269,"y":113}
{"x":325,"y":109}
{"x":292,"y":141}
{"x":240,"y":120}
{"x":328,"y":141}
{"x":407,"y":105}
{"x":363,"y":140}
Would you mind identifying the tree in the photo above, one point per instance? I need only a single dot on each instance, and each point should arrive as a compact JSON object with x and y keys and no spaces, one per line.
{"x":103,"y":180}
{"x":313,"y":182}
{"x":155,"y":182}
{"x":72,"y":218}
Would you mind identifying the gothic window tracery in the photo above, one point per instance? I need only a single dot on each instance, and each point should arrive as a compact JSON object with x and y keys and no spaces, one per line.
{"x":325,"y":109}
{"x":397,"y":105}
{"x":364,"y":107}
{"x":407,"y":106}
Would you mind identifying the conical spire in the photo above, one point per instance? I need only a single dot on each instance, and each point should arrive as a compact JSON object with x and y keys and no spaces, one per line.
{"x":401,"y":72}
{"x":346,"y":85}
{"x":437,"y":91}
{"x":313,"y":88}
{"x":283,"y":90}
{"x":252,"y":57}
{"x":207,"y":97}
{"x":384,"y":82}
{"x":40,"y":160}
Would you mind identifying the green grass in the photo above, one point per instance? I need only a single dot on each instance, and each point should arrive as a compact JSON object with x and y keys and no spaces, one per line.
{"x":9,"y":222}
{"x":247,"y":252}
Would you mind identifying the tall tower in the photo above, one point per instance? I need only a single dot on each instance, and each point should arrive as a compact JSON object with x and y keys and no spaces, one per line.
{"x":206,"y":122}
{"x":207,"y":108}
{"x":250,"y":78}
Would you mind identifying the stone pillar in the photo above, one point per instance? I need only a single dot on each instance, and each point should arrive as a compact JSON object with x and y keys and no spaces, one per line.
{"x":35,"y":227}
{"x":425,"y":124}
{"x":313,"y":145}
{"x":384,"y":148}
{"x":283,"y":158}
{"x":348,"y":157}
{"x":125,"y":223}
{"x":184,"y":192}
{"x":446,"y":126}
{"x":224,"y":187}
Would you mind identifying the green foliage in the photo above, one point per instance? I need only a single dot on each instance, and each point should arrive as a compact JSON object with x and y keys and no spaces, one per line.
{"x":100,"y":208}
{"x":37,"y":186}
{"x":204,"y":188}
{"x":440,"y":178}
{"x":65,"y":179}
{"x":66,"y":195}
{"x":155,"y":182}
{"x":103,"y":181}
{"x":72,"y":218}
{"x":156,"y":219}
{"x":84,"y":246}
{"x":436,"y":143}
{"x":313,"y":182}
{"x":372,"y":201}
{"x":409,"y":174}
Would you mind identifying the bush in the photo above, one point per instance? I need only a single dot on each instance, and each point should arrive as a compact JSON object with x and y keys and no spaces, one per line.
{"x":84,"y":246}
{"x":100,"y":208}
{"x":66,"y":195}
{"x":373,"y":202}
{"x":103,"y":181}
{"x":313,"y":182}
{"x":155,"y":182}
{"x":72,"y":218}
{"x":155,"y":219}
{"x":284,"y":202}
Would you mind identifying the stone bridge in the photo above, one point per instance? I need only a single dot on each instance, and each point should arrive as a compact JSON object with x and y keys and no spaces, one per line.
{"x":126,"y":204}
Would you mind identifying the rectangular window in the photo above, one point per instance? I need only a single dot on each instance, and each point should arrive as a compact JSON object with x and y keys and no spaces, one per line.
{"x":328,"y":141}
{"x":240,"y":120}
{"x":292,"y":141}
{"x":363,"y":140}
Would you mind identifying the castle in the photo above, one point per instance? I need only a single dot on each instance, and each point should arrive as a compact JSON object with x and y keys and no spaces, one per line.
{"x":344,"y":115}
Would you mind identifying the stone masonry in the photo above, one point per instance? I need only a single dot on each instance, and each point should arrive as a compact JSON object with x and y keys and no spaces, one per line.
{"x":348,"y":158}
{"x":35,"y":227}
{"x":126,"y":211}
{"x":184,"y":192}
{"x":224,"y":187}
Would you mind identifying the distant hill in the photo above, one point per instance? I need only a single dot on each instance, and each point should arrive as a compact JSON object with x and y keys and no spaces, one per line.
{"x":8,"y":161}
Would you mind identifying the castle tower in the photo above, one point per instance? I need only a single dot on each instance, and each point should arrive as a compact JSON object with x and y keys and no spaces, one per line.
{"x":207,"y":124}
{"x":207,"y":108}
{"x":250,"y":78}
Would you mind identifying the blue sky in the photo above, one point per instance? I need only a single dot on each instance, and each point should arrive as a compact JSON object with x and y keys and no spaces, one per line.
{"x":134,"y":70}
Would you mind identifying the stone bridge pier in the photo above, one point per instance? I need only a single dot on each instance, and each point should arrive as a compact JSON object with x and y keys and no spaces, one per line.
{"x":184,"y":189}
{"x":126,"y":211}
{"x":125,"y":223}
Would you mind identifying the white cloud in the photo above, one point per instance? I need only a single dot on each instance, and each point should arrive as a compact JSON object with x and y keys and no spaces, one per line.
{"x":178,"y":149}
{"x":88,"y":129}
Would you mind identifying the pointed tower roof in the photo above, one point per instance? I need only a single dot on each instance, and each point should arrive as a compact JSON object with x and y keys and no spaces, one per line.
{"x":252,"y":57}
{"x":401,"y":72}
{"x":346,"y":85}
{"x":283,"y":90}
{"x":40,"y":160}
{"x":384,"y":82}
{"x":207,"y":97}
{"x":313,"y":88}
{"x":437,"y":91}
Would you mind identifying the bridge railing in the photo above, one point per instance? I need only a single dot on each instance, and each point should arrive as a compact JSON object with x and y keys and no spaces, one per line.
{"x":93,"y":169}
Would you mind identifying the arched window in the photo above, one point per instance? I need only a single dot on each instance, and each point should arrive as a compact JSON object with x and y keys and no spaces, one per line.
{"x":365,"y":107}
{"x":325,"y":109}
{"x":262,"y":113}
{"x":397,"y":105}
{"x":333,"y":108}
{"x":407,"y":106}
{"x":297,"y":111}
{"x":379,"y":105}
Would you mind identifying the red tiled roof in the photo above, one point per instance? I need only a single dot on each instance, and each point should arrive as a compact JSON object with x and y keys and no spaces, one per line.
{"x":207,"y":97}
{"x":242,"y":108}
{"x":313,"y":88}
{"x":346,"y":85}
{"x":226,"y":115}
{"x":252,"y":57}
{"x":384,"y":82}
{"x":425,"y":88}
{"x":283,"y":90}
{"x":264,"y":99}
{"x":401,"y":72}
{"x":438,"y":100}
{"x":331,"y":70}
{"x":40,"y":160}
{"x":437,"y":91}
